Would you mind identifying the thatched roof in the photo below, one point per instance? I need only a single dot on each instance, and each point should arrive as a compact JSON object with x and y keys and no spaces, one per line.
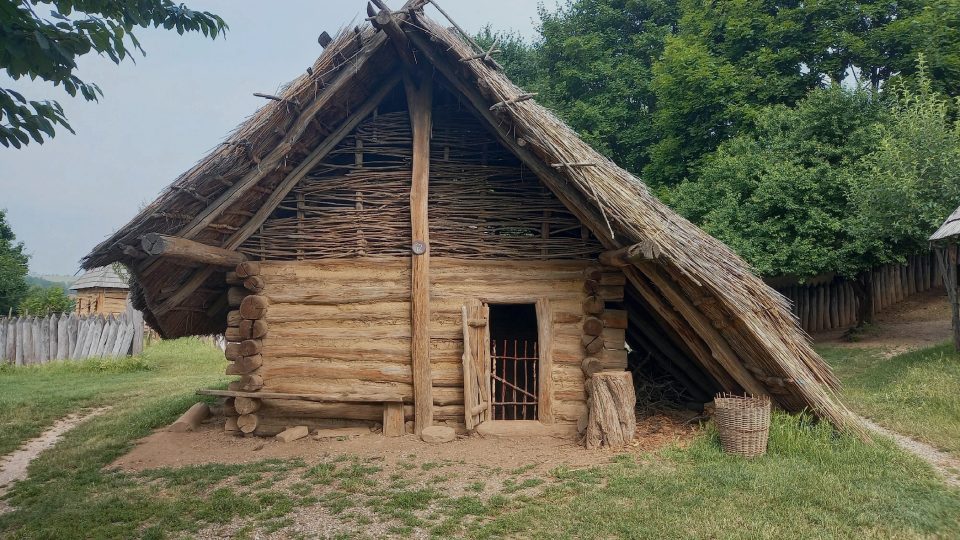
{"x":99,"y":278}
{"x":950,"y":227}
{"x":742,"y":326}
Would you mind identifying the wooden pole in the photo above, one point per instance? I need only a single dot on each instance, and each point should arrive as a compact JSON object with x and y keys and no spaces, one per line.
{"x":419,"y":90}
{"x":189,"y":251}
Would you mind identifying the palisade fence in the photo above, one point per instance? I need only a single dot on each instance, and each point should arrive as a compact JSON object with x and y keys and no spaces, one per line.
{"x":834,"y":305}
{"x":38,"y":340}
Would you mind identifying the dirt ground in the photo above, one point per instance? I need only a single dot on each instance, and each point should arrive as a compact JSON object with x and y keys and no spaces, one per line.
{"x":920,"y":321}
{"x":211,"y":445}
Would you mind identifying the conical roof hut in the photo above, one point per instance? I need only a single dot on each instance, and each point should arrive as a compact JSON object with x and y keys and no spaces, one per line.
{"x":384,"y":153}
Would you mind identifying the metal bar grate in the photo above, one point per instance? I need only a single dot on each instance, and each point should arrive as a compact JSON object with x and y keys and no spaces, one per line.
{"x":513,"y":374}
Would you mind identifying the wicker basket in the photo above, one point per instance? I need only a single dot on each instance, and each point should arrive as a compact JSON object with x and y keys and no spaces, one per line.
{"x":743,"y":423}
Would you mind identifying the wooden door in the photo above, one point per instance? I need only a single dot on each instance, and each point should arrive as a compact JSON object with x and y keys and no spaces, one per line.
{"x":476,"y":362}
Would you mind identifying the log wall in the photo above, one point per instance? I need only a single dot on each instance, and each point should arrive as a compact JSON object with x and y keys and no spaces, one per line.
{"x":833,"y":305}
{"x":341,"y":327}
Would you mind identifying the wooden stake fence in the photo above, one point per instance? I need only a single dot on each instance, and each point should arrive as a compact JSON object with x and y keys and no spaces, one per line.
{"x":38,"y":340}
{"x":834,"y":305}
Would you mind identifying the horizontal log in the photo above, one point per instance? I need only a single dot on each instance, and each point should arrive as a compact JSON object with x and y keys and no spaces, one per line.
{"x":248,"y":364}
{"x":593,"y":305}
{"x":235,"y":296}
{"x":592,"y":344}
{"x":251,"y":383}
{"x":248,"y":403}
{"x":251,"y":347}
{"x":253,"y":329}
{"x":255,"y":284}
{"x":247,"y":269}
{"x":326,"y":370}
{"x":360,"y":390}
{"x":592,"y":326}
{"x":349,"y":315}
{"x":232,"y":333}
{"x":190,"y":420}
{"x":247,"y":423}
{"x":234,"y":318}
{"x":644,"y":251}
{"x":232,"y":352}
{"x":254,"y":307}
{"x":303,"y":412}
{"x":613,"y":278}
{"x":182,"y":249}
{"x":614,"y":318}
{"x":314,"y":397}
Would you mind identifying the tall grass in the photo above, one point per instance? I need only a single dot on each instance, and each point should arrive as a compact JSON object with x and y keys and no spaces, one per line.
{"x":33,"y":397}
{"x":916,"y":393}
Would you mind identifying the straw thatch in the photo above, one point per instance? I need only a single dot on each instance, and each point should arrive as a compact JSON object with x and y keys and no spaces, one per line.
{"x":741,"y":331}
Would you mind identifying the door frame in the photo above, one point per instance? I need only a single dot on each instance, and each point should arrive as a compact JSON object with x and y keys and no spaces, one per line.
{"x":545,"y":344}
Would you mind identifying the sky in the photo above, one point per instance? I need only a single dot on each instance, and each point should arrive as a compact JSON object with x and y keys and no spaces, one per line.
{"x":165,"y":112}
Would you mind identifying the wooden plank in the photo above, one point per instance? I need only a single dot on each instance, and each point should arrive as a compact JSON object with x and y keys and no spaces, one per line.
{"x":393,"y":419}
{"x":18,"y":346}
{"x":419,"y":91}
{"x":63,"y":336}
{"x":545,"y":410}
{"x":469,"y":392}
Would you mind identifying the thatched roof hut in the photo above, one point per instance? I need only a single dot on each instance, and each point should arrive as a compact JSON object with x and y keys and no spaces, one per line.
{"x":307,"y":181}
{"x":100,"y":290}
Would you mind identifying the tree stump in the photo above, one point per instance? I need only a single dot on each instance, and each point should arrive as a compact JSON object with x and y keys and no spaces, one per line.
{"x":612,"y":420}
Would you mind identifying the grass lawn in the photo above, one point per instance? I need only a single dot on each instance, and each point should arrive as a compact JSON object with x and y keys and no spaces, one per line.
{"x":812,"y":483}
{"x":916,"y":393}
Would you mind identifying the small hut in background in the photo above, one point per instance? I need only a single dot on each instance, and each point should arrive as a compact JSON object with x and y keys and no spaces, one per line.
{"x":944,"y":242}
{"x":101,"y":291}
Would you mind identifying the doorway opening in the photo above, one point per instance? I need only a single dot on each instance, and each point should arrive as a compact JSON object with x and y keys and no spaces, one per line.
{"x":514,"y":362}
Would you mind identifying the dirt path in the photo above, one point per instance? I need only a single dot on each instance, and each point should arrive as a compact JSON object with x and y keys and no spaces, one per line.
{"x":13,"y":466}
{"x":920,"y":321}
{"x":945,"y":464}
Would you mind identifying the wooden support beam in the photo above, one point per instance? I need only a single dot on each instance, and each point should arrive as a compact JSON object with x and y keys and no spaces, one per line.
{"x":564,"y":190}
{"x":507,"y":102}
{"x":647,"y":250}
{"x":719,"y":347}
{"x":386,"y":20}
{"x":419,"y":89}
{"x":182,"y":249}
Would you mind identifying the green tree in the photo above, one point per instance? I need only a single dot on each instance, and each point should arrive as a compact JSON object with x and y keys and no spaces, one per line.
{"x":659,"y":84}
{"x":518,"y":58}
{"x":41,"y":39}
{"x":778,"y":195}
{"x":596,"y":59}
{"x":13,"y":268}
{"x":43,"y":301}
{"x":902,"y":191}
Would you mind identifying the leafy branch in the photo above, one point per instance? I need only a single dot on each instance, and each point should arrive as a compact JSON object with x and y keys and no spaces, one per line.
{"x":47,"y":48}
